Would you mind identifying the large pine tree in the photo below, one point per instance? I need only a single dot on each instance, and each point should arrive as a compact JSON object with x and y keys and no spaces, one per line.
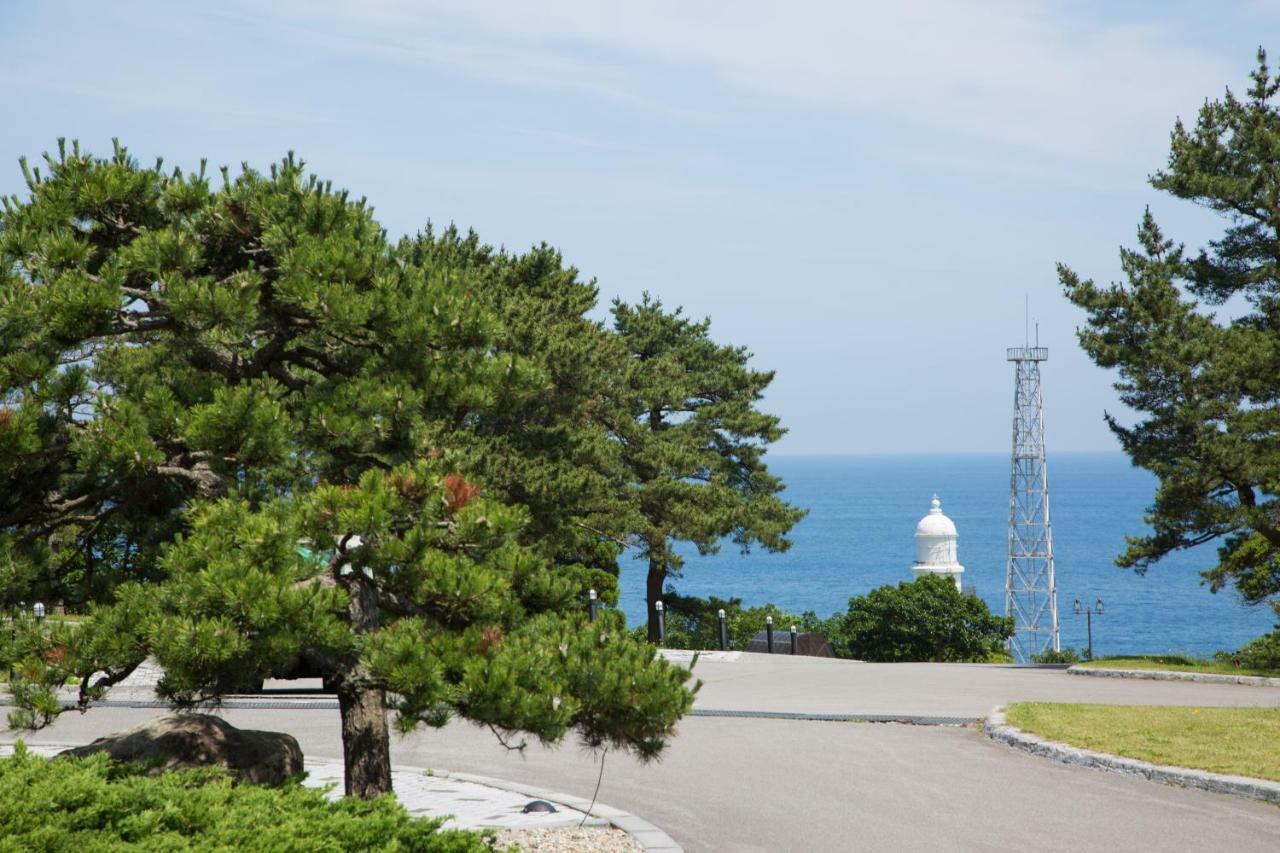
{"x":246,"y":430}
{"x":693,"y":442}
{"x":1195,"y":339}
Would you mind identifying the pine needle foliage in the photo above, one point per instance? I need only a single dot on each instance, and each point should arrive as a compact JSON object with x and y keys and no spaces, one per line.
{"x":1195,"y":339}
{"x":693,"y":443}
{"x":247,"y":433}
{"x":89,"y":804}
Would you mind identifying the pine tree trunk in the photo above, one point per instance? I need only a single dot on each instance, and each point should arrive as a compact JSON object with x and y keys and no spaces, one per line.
{"x":653,"y":592}
{"x":366,"y":743}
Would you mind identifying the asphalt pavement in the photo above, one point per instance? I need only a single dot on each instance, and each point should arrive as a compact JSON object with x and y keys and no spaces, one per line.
{"x":756,"y":785}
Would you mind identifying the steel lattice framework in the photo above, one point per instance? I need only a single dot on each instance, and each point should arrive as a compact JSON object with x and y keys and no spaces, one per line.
{"x":1031,"y":594}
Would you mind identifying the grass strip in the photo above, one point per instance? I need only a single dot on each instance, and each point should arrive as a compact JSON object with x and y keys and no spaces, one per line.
{"x":1176,"y":663}
{"x":1238,"y":741}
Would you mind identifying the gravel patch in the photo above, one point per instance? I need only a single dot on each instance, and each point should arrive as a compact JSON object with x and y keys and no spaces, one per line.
{"x":570,"y":839}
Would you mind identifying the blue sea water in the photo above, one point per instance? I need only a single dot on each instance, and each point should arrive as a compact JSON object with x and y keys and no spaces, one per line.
{"x":859,"y":535}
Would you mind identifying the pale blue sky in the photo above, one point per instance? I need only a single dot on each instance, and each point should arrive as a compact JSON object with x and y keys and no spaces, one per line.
{"x":862,"y":194}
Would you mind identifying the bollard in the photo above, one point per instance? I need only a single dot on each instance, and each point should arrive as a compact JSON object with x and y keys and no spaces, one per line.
{"x":724,"y":632}
{"x":768,"y":633}
{"x":592,"y":604}
{"x":793,"y":639}
{"x":662,"y":622}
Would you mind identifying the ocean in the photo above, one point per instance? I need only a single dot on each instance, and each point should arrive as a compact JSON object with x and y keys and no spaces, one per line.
{"x":859,"y":535}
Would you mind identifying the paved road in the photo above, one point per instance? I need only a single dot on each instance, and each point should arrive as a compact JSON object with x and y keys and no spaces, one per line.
{"x":751,"y":785}
{"x":826,"y":685}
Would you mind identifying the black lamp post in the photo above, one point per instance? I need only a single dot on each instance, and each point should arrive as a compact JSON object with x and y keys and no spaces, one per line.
{"x":1088,"y":616}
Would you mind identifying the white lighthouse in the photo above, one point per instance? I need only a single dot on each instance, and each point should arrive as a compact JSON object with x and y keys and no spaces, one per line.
{"x":936,"y":545}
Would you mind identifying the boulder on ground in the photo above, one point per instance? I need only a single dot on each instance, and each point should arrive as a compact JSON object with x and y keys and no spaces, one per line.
{"x":182,"y":741}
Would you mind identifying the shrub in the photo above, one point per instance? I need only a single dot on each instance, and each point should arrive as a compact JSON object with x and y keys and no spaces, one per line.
{"x":693,"y":622}
{"x":1259,"y":653}
{"x":926,"y":619}
{"x":92,"y":804}
{"x":1067,"y":655}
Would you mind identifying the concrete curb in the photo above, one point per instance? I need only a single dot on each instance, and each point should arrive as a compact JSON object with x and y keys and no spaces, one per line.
{"x":998,"y":729}
{"x":648,"y":836}
{"x":1174,"y":675}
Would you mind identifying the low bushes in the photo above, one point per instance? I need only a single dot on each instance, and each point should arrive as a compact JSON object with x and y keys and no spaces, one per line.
{"x":927,"y":619}
{"x":92,"y":804}
{"x":1066,"y":655}
{"x":1260,"y":653}
{"x":694,"y":623}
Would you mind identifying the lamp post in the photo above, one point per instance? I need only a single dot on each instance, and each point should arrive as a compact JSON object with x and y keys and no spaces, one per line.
{"x":724,"y":631}
{"x":793,"y":639}
{"x":662,"y":622}
{"x":1088,"y":617}
{"x":768,"y":633}
{"x":592,"y":603}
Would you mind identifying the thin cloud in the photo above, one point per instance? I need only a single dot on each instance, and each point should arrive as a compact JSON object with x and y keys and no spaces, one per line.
{"x":1021,"y":75}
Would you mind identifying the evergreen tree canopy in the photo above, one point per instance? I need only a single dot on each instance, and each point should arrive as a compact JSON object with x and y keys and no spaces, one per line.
{"x":247,"y":431}
{"x":693,"y":443}
{"x":926,"y":619}
{"x":1196,"y":342}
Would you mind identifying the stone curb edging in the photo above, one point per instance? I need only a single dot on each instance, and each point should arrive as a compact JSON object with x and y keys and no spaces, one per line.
{"x":1174,"y":675}
{"x":998,"y":729}
{"x":648,"y":836}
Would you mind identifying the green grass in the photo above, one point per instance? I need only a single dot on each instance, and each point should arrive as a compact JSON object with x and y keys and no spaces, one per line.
{"x":1176,"y":663}
{"x":1239,"y":741}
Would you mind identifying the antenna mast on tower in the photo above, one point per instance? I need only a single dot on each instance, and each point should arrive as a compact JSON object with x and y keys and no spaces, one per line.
{"x":1031,"y":594}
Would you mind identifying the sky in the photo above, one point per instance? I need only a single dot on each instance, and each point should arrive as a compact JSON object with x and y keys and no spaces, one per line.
{"x":870,"y":197}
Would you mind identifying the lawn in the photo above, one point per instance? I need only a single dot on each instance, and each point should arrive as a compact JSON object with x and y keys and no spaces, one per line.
{"x":1239,"y":741}
{"x":1177,"y":663}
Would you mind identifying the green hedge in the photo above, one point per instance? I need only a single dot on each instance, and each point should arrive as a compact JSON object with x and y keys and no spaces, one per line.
{"x":90,"y":805}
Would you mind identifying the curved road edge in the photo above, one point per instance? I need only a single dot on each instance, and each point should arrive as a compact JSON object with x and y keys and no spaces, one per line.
{"x":998,"y":729}
{"x":646,"y":834}
{"x":1175,"y":675}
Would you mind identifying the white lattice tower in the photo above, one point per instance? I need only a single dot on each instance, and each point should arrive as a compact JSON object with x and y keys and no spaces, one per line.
{"x":1031,"y":594}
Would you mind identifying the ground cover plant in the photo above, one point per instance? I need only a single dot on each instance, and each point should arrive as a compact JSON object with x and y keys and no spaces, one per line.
{"x":1239,"y":741}
{"x":91,"y":804}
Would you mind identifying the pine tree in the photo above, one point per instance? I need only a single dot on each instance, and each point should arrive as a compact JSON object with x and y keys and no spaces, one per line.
{"x":544,"y":446}
{"x":1196,"y":342}
{"x":693,"y":443}
{"x":240,"y":426}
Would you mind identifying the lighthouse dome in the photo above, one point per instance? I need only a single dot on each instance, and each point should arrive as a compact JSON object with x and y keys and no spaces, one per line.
{"x":936,"y":551}
{"x":935,"y":523}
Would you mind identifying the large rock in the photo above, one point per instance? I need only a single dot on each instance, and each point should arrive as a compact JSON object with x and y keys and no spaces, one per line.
{"x":181,"y":741}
